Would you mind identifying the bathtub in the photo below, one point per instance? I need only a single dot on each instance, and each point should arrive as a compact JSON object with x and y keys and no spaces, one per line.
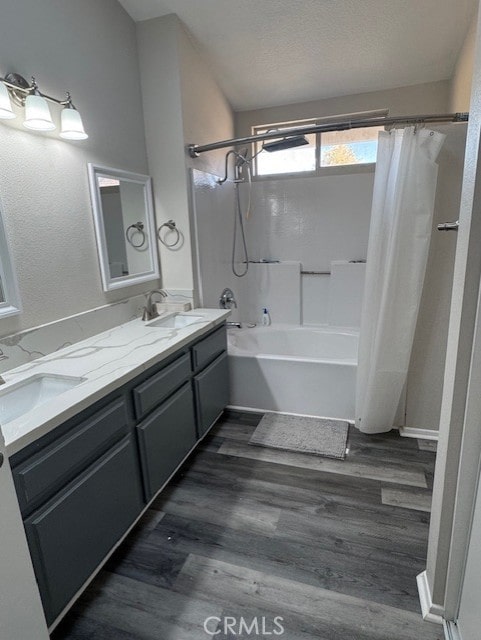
{"x":291,"y":369}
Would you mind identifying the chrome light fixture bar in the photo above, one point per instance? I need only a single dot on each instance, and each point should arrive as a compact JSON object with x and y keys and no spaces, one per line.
{"x":14,"y":88}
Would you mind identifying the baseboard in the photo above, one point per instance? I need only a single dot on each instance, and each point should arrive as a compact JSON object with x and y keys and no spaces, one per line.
{"x":451,"y":630}
{"x":430,"y":612}
{"x":284,"y":413}
{"x":423,"y":434}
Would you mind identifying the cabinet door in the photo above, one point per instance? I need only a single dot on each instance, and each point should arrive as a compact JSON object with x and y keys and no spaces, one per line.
{"x":165,"y":438}
{"x":43,"y":474}
{"x":71,"y":535}
{"x":211,"y":393}
{"x":156,"y":389}
{"x":209,"y":348}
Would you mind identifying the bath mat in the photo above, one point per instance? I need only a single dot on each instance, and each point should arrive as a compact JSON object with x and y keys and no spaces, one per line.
{"x":320,"y":436}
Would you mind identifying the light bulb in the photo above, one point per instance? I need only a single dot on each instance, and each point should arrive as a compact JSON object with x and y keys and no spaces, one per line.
{"x":72,"y":125}
{"x":37,"y":114}
{"x":6,"y":112}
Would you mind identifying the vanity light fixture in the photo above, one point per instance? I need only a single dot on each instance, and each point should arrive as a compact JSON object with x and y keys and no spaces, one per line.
{"x":37,"y":112}
{"x":14,"y":88}
{"x":72,"y":126}
{"x":6,"y":112}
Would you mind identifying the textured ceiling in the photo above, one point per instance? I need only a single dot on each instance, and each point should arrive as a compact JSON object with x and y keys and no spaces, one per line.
{"x":274,"y":52}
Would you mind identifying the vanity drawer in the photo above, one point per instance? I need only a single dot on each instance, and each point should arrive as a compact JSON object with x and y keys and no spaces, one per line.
{"x":153,"y":391}
{"x":211,"y":393}
{"x":47,"y":471}
{"x":165,"y":438}
{"x":70,"y":535}
{"x":209,"y":348}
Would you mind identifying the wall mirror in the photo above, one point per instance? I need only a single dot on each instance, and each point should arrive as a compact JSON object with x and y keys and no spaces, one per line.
{"x":124,"y":225}
{"x":9,"y":296}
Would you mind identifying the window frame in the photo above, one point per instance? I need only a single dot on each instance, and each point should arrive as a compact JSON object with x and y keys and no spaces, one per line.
{"x":364,"y":167}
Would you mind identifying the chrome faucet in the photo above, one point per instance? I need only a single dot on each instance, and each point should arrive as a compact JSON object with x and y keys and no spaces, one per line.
{"x":227,"y":300}
{"x":150,"y":310}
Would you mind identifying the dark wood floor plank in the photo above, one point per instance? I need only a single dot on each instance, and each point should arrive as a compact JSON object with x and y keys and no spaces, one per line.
{"x":204,"y":478}
{"x":148,"y":560}
{"x":399,"y":473}
{"x":411,"y":498}
{"x":404,"y":539}
{"x":80,"y":627}
{"x":334,"y":615}
{"x":353,"y":569}
{"x":243,"y":417}
{"x":145,"y":611}
{"x":238,"y":533}
{"x":244,"y":512}
{"x":233,"y":431}
{"x":228,"y":468}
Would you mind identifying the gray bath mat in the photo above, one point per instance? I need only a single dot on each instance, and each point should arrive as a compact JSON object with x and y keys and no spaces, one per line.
{"x":303,"y":435}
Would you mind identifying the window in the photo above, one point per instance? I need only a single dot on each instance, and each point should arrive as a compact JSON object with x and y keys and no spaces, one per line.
{"x":354,"y":146}
{"x":289,"y":160}
{"x":330,"y":149}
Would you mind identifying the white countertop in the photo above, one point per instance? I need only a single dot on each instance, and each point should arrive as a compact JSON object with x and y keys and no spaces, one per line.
{"x":106,"y":361}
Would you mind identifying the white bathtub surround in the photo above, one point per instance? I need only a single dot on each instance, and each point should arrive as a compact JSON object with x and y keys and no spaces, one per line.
{"x":312,"y":221}
{"x":299,"y":370}
{"x":346,"y":288}
{"x":401,"y":222}
{"x":106,"y":361}
{"x":276,"y":287}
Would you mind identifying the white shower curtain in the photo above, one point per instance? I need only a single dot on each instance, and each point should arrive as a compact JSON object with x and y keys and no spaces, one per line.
{"x":400,"y":231}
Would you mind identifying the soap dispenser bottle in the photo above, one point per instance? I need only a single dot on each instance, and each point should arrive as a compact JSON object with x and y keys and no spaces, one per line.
{"x":266,"y":319}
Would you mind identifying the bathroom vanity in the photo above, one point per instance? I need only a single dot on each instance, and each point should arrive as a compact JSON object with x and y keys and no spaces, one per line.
{"x":82,"y":482}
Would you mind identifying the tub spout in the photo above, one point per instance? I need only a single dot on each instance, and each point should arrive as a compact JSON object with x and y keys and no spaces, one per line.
{"x":237,"y":325}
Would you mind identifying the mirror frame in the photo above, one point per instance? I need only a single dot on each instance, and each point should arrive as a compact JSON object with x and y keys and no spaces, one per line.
{"x":109,"y":283}
{"x":11,"y":306}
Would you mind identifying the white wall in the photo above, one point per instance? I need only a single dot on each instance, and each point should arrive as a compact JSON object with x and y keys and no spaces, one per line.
{"x":182,"y":104}
{"x":89,"y":48}
{"x":459,"y":350}
{"x":460,"y":88}
{"x":432,"y":97}
{"x":213,"y":207}
{"x":426,"y":370}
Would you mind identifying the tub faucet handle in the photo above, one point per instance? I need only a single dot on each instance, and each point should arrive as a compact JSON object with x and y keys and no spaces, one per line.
{"x":227,"y":300}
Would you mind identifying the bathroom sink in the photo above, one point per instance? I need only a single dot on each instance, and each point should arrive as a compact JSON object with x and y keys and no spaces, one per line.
{"x":175,"y":321}
{"x":18,"y":398}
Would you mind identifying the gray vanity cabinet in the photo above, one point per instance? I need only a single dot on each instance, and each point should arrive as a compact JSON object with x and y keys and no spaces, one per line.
{"x":73,"y":532}
{"x":211,"y":393}
{"x":81,"y":486}
{"x":165,"y":438}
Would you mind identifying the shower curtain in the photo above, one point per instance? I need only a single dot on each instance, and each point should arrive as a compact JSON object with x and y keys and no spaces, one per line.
{"x":399,"y":236}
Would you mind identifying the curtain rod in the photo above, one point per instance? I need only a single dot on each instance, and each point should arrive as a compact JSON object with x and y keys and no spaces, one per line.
{"x":195,"y":150}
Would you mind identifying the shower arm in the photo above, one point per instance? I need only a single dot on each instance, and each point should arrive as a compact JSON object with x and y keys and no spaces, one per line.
{"x":226,"y":172}
{"x":194,"y":150}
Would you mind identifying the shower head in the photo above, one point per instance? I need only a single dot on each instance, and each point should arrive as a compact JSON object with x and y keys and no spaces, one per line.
{"x":288,"y":142}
